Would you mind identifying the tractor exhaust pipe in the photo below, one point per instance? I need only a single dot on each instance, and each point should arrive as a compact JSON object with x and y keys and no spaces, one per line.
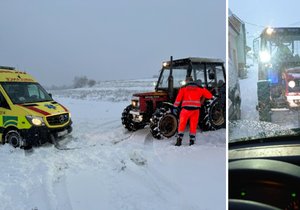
{"x":170,"y":81}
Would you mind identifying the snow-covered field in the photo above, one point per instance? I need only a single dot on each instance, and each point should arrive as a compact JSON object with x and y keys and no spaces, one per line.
{"x":112,"y":90}
{"x":110,"y":168}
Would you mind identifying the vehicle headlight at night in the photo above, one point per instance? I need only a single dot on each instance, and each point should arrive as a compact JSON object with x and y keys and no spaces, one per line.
{"x":35,"y":120}
{"x":270,"y":30}
{"x":292,"y":84}
{"x":264,"y":56}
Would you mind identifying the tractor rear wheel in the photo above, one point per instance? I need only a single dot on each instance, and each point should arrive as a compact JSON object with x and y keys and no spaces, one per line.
{"x":163,"y":123}
{"x":215,"y":117}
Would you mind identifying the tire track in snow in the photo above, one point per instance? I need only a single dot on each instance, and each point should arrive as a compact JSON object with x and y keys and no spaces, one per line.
{"x":148,"y":139}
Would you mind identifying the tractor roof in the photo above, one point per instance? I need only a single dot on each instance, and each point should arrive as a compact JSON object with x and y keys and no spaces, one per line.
{"x":280,"y":31}
{"x":205,"y":60}
{"x":194,"y":60}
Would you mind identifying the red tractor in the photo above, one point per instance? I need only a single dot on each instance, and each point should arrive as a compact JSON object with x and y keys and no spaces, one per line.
{"x":156,"y":108}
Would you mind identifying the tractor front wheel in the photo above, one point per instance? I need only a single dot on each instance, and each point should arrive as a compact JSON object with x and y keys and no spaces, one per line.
{"x":127,"y":120}
{"x":264,"y":102}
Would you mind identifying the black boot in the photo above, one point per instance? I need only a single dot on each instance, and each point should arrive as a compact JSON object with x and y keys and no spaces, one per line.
{"x":192,"y":139}
{"x":178,"y":142}
{"x":192,"y":142}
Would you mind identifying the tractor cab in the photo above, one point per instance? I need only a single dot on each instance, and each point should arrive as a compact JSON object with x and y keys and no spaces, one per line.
{"x":276,"y":50}
{"x":208,"y":73}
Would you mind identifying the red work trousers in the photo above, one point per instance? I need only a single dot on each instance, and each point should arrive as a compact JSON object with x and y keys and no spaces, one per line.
{"x":185,"y":115}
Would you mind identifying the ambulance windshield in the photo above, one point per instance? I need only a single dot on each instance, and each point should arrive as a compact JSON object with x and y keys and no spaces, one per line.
{"x":25,"y":92}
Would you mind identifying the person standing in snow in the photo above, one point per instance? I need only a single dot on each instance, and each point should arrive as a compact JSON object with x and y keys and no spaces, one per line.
{"x":190,"y":96}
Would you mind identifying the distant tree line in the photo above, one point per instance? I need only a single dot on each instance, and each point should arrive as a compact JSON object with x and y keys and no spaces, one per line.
{"x":78,"y":82}
{"x":83,"y":81}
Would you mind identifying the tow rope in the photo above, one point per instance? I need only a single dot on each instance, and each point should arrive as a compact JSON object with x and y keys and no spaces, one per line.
{"x":59,"y":147}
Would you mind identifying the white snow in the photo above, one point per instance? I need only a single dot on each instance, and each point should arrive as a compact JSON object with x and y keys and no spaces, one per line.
{"x":248,"y":88}
{"x":113,"y":169}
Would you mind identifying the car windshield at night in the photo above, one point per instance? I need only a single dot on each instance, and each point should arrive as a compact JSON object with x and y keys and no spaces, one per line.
{"x":264,"y":88}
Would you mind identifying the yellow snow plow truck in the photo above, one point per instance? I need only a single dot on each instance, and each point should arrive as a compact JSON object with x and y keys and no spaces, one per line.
{"x":28,"y":114}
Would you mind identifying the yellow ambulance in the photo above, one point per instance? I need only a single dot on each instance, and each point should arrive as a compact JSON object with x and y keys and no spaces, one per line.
{"x":28,"y":114}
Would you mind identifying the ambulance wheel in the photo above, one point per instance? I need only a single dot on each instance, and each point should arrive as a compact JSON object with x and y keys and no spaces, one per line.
{"x":14,"y":138}
{"x":163,"y":123}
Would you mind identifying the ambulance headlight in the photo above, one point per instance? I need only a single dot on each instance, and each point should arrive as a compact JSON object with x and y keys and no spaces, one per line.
{"x":292,"y":84}
{"x":265,"y":56}
{"x":35,"y":120}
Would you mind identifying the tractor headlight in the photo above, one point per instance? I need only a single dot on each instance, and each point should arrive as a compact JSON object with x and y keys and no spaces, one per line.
{"x":292,"y":84}
{"x":182,"y":83}
{"x":265,"y":56}
{"x":35,"y":120}
{"x":270,"y":30}
{"x":135,"y":103}
{"x":165,"y":64}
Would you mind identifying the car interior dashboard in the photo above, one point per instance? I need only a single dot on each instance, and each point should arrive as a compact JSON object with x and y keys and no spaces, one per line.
{"x":264,"y":173}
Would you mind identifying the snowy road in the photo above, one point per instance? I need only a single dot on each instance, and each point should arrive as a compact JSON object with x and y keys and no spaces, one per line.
{"x":114,"y":169}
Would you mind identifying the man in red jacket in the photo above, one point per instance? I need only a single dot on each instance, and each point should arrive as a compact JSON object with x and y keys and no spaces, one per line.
{"x":191,"y":96}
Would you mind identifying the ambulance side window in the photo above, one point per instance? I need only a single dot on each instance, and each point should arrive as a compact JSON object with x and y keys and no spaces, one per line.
{"x":3,"y":102}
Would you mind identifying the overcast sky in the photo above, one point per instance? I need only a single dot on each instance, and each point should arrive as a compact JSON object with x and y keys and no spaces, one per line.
{"x":59,"y":39}
{"x":258,"y":14}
